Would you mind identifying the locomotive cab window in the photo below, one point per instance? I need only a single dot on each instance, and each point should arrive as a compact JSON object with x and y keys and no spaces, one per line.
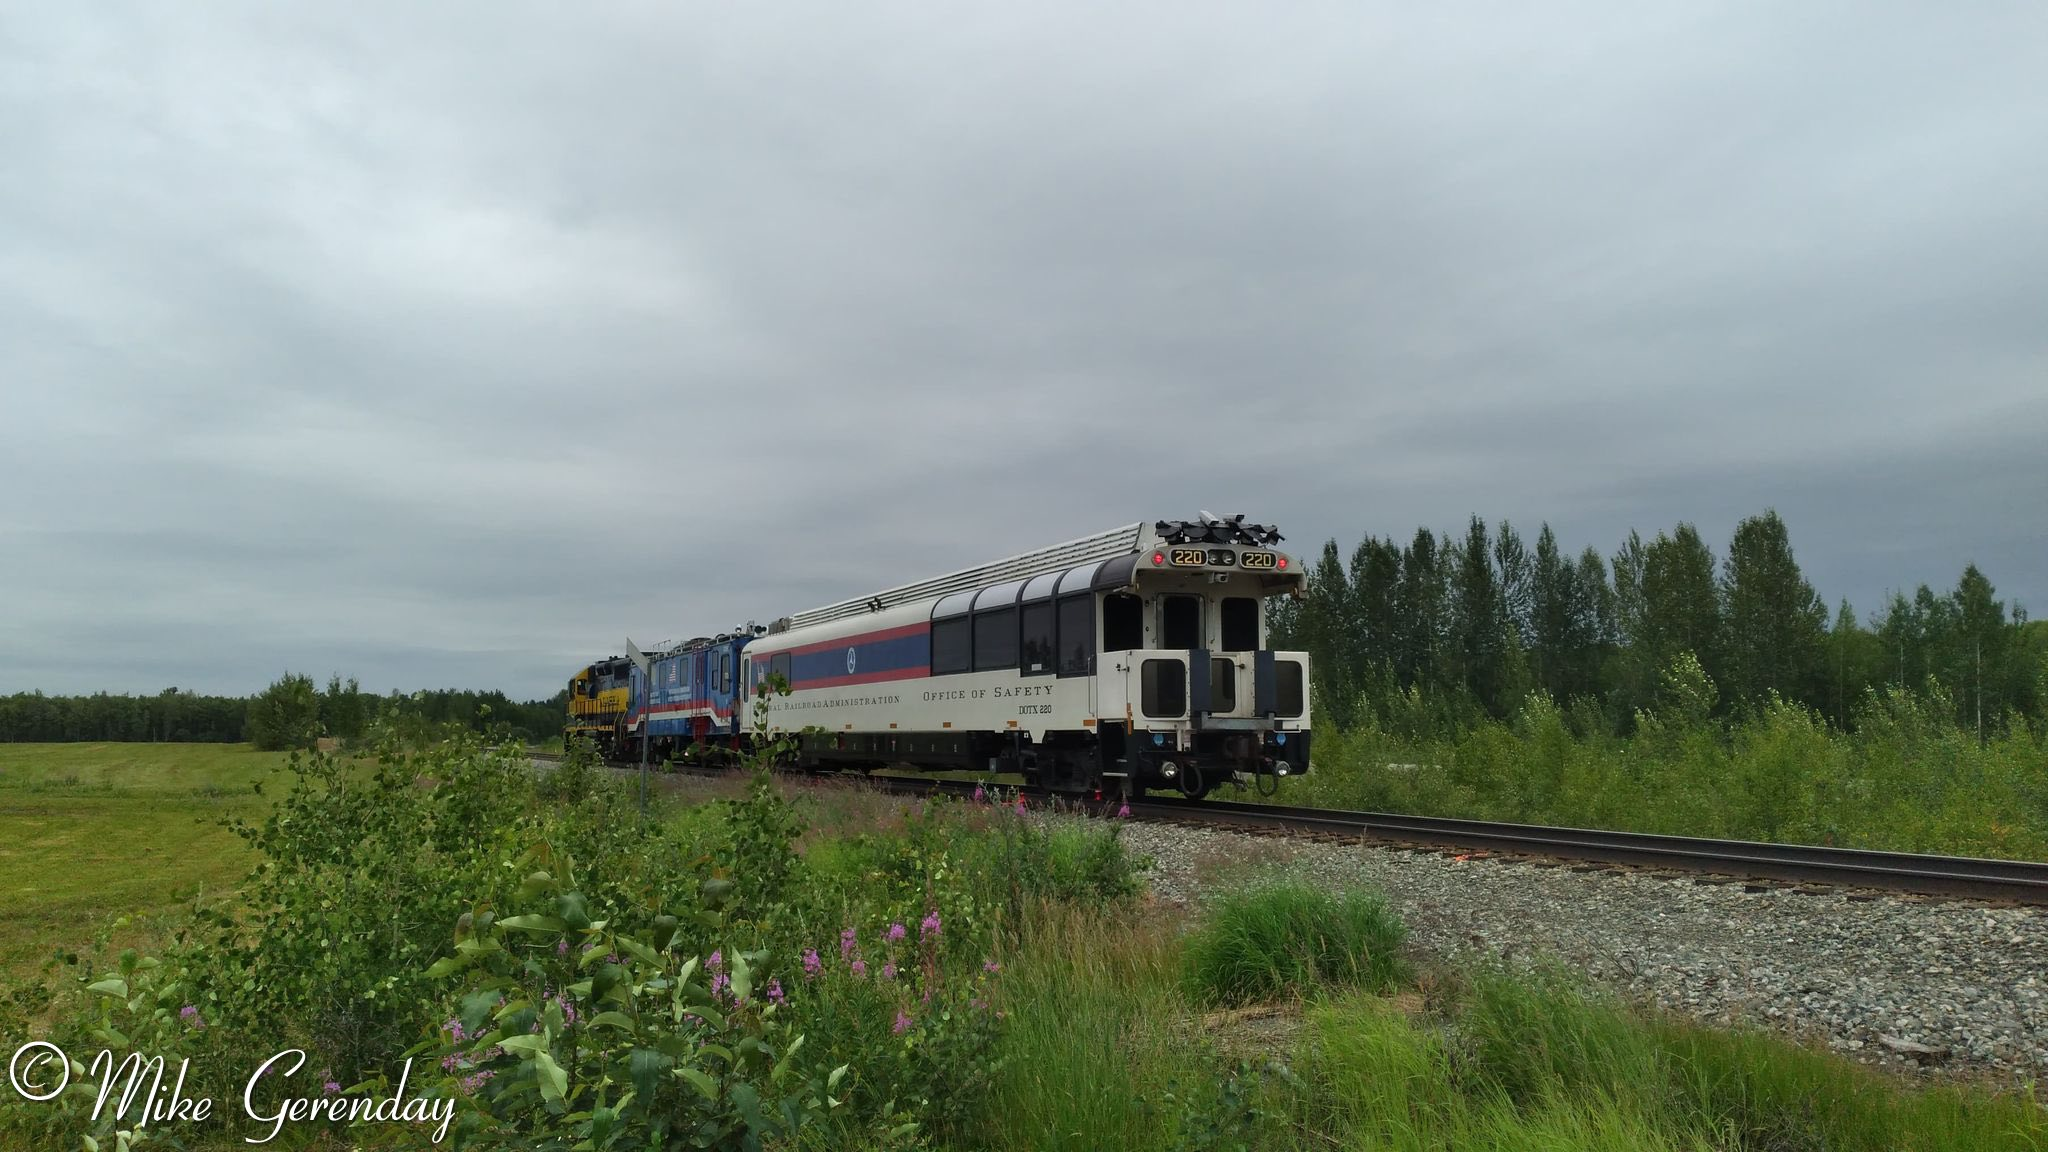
{"x":1123,"y":622}
{"x":1240,"y":621}
{"x":1077,"y":635}
{"x":1037,"y":654}
{"x":1180,"y":622}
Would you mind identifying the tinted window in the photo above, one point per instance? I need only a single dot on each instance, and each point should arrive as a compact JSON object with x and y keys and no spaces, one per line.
{"x":1222,"y":685}
{"x":949,"y":646}
{"x":1240,"y":624}
{"x":995,"y":639}
{"x":1287,"y":688}
{"x":1123,"y":622}
{"x":1181,"y":622}
{"x":1077,"y":636}
{"x":1038,"y":645}
{"x":1164,"y":688}
{"x":778,"y":665}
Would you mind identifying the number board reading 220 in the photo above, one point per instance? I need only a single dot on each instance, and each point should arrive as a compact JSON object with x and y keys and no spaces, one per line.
{"x":1220,"y":558}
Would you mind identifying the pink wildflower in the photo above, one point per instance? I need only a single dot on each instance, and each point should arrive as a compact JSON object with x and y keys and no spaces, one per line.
{"x":717,"y":960}
{"x":845,"y":943}
{"x":889,"y":970}
{"x":991,"y":966}
{"x":190,"y":1015}
{"x":812,"y":964}
{"x":562,"y":948}
{"x":902,"y":1023}
{"x":860,"y":967}
{"x":897,"y":932}
{"x":332,"y":1087}
{"x":930,"y":927}
{"x":1020,"y":805}
{"x":979,"y":795}
{"x":454,"y":1027}
{"x":1123,"y":811}
{"x":775,"y":991}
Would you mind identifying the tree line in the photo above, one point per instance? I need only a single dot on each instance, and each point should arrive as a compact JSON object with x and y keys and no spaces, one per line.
{"x":1459,"y":629}
{"x":292,"y":712}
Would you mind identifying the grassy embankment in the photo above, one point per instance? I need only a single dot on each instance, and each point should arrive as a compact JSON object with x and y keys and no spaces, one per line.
{"x":1906,"y":780}
{"x":1280,"y":1018}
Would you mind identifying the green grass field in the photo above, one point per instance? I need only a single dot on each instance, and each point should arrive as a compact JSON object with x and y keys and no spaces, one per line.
{"x":93,"y":832}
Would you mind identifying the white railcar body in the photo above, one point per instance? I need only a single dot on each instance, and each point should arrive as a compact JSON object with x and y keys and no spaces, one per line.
{"x":1136,"y":657}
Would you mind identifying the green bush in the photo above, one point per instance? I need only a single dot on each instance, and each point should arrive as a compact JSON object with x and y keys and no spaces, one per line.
{"x":1289,"y":938}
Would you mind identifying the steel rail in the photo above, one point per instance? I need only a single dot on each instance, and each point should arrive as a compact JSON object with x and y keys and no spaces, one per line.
{"x":1953,"y":876}
{"x":1968,"y":877}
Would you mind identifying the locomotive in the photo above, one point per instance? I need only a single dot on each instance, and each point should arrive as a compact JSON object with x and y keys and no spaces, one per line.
{"x":1131,"y":659}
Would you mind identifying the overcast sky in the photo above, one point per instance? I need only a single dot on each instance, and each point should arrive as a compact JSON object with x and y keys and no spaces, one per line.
{"x":449,"y":344}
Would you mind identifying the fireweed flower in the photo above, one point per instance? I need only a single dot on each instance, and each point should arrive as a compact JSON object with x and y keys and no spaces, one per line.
{"x":889,"y":970}
{"x":1123,"y":811}
{"x":811,"y":962}
{"x":717,"y":960}
{"x":991,"y":966}
{"x":860,"y":967}
{"x":930,"y":927}
{"x":332,"y":1087}
{"x":454,"y":1027}
{"x":562,"y":948}
{"x":896,"y":932}
{"x":902,"y":1023}
{"x":190,"y":1015}
{"x":718,"y":983}
{"x":845,"y":943}
{"x":775,"y":991}
{"x":979,"y":795}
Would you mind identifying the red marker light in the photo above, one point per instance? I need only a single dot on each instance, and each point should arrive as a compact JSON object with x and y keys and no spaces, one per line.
{"x":1158,"y":558}
{"x":1283,"y":562}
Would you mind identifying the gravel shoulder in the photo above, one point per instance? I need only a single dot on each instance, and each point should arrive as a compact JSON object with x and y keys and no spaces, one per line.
{"x":1913,"y":985}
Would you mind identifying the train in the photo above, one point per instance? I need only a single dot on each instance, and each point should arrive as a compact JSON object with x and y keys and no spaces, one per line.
{"x":1129,"y":660}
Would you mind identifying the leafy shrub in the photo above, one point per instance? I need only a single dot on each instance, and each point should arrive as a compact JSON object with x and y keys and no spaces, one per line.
{"x":1288,"y":937}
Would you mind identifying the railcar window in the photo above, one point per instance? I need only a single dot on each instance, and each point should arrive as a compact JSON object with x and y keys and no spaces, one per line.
{"x":1037,"y":652}
{"x":1222,"y":685}
{"x":1181,"y":622}
{"x":1077,"y":635}
{"x":1287,"y":694}
{"x":725,"y":671}
{"x":1240,"y":624}
{"x":1123,"y":622}
{"x":1164,"y":688}
{"x":950,"y":646}
{"x":778,"y":665}
{"x":995,"y":640}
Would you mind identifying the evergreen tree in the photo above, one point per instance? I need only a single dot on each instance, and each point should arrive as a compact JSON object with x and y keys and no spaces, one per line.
{"x":1477,"y":619}
{"x":1775,"y":622}
{"x":286,"y":715}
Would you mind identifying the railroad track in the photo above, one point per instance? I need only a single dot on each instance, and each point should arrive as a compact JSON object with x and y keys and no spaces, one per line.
{"x":1953,"y":877}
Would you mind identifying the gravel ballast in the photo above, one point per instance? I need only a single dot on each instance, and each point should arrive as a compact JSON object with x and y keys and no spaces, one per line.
{"x":1888,"y":980}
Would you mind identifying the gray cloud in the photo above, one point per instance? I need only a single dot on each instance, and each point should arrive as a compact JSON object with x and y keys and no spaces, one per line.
{"x":449,"y":345}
